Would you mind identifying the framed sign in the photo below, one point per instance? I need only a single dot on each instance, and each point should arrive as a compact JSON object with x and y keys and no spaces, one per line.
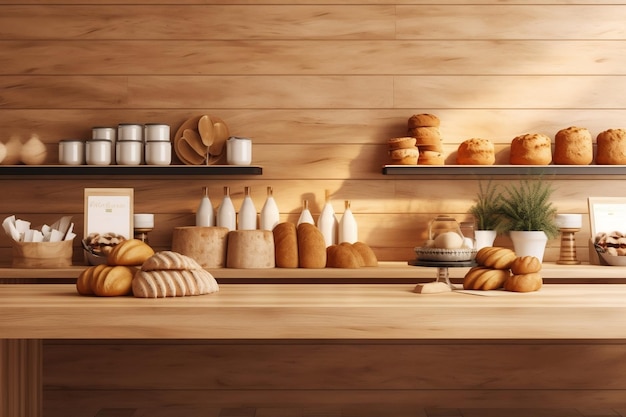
{"x":109,"y":210}
{"x":607,"y":214}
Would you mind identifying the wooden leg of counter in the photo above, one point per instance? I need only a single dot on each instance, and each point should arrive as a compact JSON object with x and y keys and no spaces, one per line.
{"x":20,"y":377}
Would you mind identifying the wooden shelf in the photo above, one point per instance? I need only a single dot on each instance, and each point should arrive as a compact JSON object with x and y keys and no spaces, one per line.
{"x":504,"y":170}
{"x":128,"y":170}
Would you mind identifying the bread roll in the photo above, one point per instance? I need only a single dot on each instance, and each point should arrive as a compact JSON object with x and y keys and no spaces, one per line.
{"x":368,"y":255}
{"x":113,"y":281}
{"x":476,"y":151}
{"x":311,"y":246}
{"x":286,"y":245}
{"x":573,"y":146}
{"x":129,"y":252}
{"x":423,"y":120}
{"x":427,"y":138}
{"x":611,"y":147}
{"x":169,"y":260}
{"x":524,"y":282}
{"x":431,"y":158}
{"x":531,"y":149}
{"x":341,"y":256}
{"x":401,"y":143}
{"x":173,"y":283}
{"x":525,"y":265}
{"x":484,"y":278}
{"x":495,"y":257}
{"x":406,"y":156}
{"x":83,"y":283}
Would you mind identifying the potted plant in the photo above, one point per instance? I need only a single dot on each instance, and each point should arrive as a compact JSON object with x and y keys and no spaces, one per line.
{"x":486,"y":212}
{"x":528,"y":216}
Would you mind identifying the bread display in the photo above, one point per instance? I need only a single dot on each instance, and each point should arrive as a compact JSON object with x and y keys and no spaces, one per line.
{"x":531,"y":149}
{"x":573,"y":146}
{"x":130,"y":252}
{"x":425,"y":129}
{"x":485,"y":278}
{"x":106,"y":280}
{"x":173,"y":283}
{"x":476,"y":151}
{"x":611,"y":147}
{"x":311,"y":246}
{"x":501,"y":268}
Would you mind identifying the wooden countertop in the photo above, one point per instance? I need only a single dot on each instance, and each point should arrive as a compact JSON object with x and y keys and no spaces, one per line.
{"x":317,"y":311}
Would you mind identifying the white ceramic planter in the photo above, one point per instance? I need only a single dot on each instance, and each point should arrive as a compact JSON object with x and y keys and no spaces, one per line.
{"x":531,"y":243}
{"x":484,"y":238}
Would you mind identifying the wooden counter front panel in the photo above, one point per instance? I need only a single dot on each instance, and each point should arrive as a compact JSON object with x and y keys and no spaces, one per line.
{"x":88,"y":375}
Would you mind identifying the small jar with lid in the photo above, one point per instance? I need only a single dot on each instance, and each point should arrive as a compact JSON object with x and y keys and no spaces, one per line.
{"x":71,"y":152}
{"x":156,"y":132}
{"x":98,"y":152}
{"x":130,"y":131}
{"x":128,"y":152}
{"x":158,"y":152}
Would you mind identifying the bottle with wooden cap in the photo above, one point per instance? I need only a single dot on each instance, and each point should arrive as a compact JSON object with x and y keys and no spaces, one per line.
{"x":270,"y":216}
{"x":348,"y":231}
{"x":226,"y":216}
{"x":305,"y":215}
{"x":327,"y":222}
{"x":205,"y":215}
{"x":247,"y":213}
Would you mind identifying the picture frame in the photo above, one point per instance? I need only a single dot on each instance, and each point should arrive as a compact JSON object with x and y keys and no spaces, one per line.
{"x":109,"y":210}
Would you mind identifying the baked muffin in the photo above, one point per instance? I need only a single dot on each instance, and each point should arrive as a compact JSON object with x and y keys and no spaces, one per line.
{"x":476,"y":151}
{"x":611,"y":147}
{"x":401,"y":143}
{"x":423,"y":120}
{"x":573,"y":146}
{"x":531,"y":149}
{"x":405,"y":156}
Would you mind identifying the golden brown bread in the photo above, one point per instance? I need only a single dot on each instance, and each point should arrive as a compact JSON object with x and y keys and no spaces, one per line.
{"x":105,"y":280}
{"x":484,"y":278}
{"x":531,"y":149}
{"x":401,"y":143}
{"x":341,"y":256}
{"x":495,"y":257}
{"x":524,"y":282}
{"x":286,"y":245}
{"x":368,"y":255}
{"x":250,"y":249}
{"x":130,"y":252}
{"x":525,"y":265}
{"x":573,"y":146}
{"x":173,"y":283}
{"x":431,"y":158}
{"x":476,"y":151}
{"x":611,"y":147}
{"x":169,"y":260}
{"x":404,"y":156}
{"x":423,"y":120}
{"x":311,"y":246}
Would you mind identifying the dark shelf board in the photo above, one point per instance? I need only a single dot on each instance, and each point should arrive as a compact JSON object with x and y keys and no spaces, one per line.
{"x":128,"y":170}
{"x":504,"y":170}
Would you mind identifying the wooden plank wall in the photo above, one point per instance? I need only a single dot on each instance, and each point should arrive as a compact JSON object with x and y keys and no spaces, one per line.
{"x":319,"y":87}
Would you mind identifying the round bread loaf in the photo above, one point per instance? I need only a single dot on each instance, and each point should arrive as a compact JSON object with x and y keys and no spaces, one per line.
{"x":106,"y":280}
{"x":368,"y":255}
{"x":495,"y":257}
{"x":250,"y":249}
{"x":423,"y":120}
{"x":407,"y":156}
{"x":427,"y":138}
{"x":525,"y":265}
{"x":611,"y":147}
{"x":129,"y":252}
{"x":341,"y":256}
{"x":430,"y":158}
{"x":483,"y":278}
{"x":286,"y":245}
{"x":401,"y":143}
{"x":524,"y":282}
{"x":476,"y":151}
{"x":531,"y":149}
{"x":573,"y":146}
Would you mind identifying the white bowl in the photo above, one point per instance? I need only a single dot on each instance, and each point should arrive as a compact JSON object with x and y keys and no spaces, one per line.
{"x":445,"y":255}
{"x":613,"y":260}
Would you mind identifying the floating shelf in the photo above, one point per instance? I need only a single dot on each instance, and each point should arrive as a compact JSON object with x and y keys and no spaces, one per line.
{"x":504,"y":170}
{"x":128,"y":170}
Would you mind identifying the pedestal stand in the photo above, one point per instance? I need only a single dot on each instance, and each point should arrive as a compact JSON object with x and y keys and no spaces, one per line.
{"x":568,"y":247}
{"x":442,"y":283}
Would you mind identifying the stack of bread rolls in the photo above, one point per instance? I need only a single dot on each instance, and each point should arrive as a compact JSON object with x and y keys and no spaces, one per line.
{"x":425,"y":129}
{"x":476,"y":151}
{"x":502,"y":268}
{"x":403,"y":151}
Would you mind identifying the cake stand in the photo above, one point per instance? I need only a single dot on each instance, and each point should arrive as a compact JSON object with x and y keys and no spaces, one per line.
{"x":443,"y":273}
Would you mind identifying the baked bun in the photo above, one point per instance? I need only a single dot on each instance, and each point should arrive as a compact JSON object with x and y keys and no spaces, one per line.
{"x":401,"y":143}
{"x":129,"y":252}
{"x":531,"y":149}
{"x":484,"y":278}
{"x":173,"y":283}
{"x":105,"y":280}
{"x":366,"y":252}
{"x":573,"y":146}
{"x":427,"y":138}
{"x":430,"y":158}
{"x":495,"y":257}
{"x":169,"y":260}
{"x":285,"y":245}
{"x":342,"y":256}
{"x":611,"y":147}
{"x":476,"y":151}
{"x":524,"y":282}
{"x":525,"y":265}
{"x":311,"y":246}
{"x":423,"y":120}
{"x":405,"y":156}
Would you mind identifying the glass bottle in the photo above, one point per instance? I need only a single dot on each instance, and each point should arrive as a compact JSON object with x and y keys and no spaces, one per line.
{"x":327,"y":222}
{"x":205,"y":215}
{"x":270,"y":216}
{"x":226,"y":216}
{"x":305,"y":216}
{"x":247,"y":212}
{"x":347,"y":226}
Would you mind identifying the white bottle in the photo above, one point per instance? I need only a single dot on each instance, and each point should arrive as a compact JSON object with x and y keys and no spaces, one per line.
{"x":327,"y":222}
{"x":270,"y":216}
{"x":348,"y":231}
{"x":226,"y":216}
{"x":205,"y":215}
{"x":305,"y":216}
{"x":247,"y":213}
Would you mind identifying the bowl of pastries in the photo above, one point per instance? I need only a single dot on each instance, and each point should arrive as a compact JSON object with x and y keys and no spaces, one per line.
{"x":611,"y":248}
{"x":98,"y":246}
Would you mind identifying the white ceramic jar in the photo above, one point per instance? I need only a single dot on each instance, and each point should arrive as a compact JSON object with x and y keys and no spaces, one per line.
{"x":128,"y":152}
{"x":130,"y":131}
{"x":108,"y":133}
{"x":238,"y":151}
{"x":156,"y":132}
{"x":98,"y":152}
{"x":158,"y":152}
{"x":71,"y":152}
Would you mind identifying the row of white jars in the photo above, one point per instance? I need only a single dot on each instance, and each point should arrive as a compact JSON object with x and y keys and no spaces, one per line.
{"x":123,"y":152}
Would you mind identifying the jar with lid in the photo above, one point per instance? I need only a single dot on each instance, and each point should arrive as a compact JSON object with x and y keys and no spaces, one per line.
{"x":98,"y":152}
{"x":71,"y":152}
